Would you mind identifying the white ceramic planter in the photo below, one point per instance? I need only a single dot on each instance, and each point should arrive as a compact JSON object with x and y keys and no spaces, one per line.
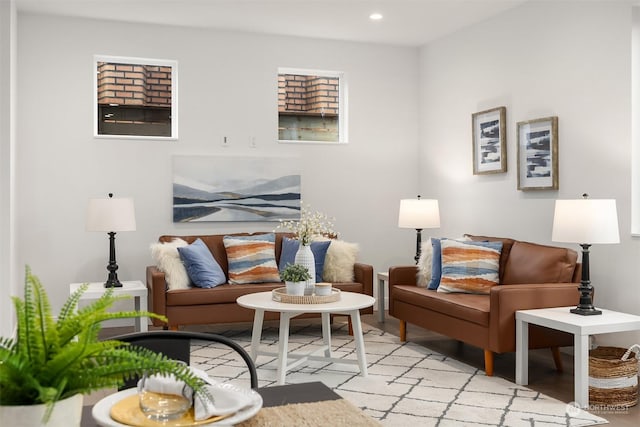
{"x":295,"y":288}
{"x":66,"y":413}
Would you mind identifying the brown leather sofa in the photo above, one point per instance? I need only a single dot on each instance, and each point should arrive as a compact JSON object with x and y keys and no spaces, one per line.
{"x":218,"y":305}
{"x":531,"y":276}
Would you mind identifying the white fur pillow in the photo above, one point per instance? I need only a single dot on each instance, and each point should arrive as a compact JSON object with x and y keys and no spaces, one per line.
{"x":338,"y":264}
{"x":168,"y":261}
{"x":425,"y":263}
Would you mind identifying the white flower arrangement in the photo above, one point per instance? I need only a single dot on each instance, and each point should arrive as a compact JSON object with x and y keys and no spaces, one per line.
{"x":310,"y":225}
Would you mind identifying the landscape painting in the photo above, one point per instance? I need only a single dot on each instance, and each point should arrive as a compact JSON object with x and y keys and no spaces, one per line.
{"x":225,"y":188}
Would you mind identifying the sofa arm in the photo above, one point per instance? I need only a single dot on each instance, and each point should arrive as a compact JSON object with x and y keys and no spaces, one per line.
{"x":403,"y":275}
{"x":157,"y":288}
{"x":400,"y":275}
{"x":363,"y":273}
{"x":505,"y":300}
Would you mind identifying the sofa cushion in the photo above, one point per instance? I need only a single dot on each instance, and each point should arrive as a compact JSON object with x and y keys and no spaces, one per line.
{"x":469,"y":267}
{"x":436,"y":263}
{"x":436,"y":260}
{"x":471,"y":307}
{"x":425,"y":262}
{"x":168,"y":261}
{"x":338,"y":264}
{"x":216,"y":245}
{"x":506,"y":249}
{"x":202,"y":268}
{"x":533,"y":263}
{"x":290,"y":248}
{"x":227,"y":293}
{"x":251,"y":259}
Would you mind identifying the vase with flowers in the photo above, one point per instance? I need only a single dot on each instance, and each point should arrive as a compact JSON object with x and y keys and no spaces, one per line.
{"x":311,"y":225}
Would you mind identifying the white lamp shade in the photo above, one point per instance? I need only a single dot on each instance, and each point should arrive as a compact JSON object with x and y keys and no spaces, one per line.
{"x":585,"y":221}
{"x":419,"y":213}
{"x":111,"y":214}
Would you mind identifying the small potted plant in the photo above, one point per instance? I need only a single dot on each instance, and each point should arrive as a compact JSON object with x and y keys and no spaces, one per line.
{"x":51,"y":362}
{"x":295,"y":277}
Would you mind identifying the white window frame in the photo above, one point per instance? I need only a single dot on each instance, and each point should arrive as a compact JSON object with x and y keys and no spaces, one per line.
{"x":144,"y":61}
{"x":342,"y":103}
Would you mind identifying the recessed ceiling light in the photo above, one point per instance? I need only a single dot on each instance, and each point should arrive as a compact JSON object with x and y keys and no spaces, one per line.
{"x":375,"y":16}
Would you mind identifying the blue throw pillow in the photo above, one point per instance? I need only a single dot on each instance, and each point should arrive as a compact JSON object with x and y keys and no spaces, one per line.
{"x":202,"y":268}
{"x":290,"y":247}
{"x":436,"y":264}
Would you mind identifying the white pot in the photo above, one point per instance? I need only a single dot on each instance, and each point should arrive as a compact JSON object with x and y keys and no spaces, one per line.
{"x":66,"y":413}
{"x":305,"y":257}
{"x":295,"y":288}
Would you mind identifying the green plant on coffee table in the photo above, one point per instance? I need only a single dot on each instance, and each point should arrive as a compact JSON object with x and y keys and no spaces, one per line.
{"x":51,"y":359}
{"x":295,"y":273}
{"x":310,"y":225}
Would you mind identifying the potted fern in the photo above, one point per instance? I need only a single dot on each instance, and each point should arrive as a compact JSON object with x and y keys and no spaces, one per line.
{"x":295,"y":277}
{"x":51,"y":363}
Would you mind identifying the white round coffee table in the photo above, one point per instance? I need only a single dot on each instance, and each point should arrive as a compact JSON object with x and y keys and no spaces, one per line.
{"x":349,"y":304}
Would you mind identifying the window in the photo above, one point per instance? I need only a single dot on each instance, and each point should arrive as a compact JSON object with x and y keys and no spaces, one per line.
{"x":135,"y":97}
{"x":311,"y":106}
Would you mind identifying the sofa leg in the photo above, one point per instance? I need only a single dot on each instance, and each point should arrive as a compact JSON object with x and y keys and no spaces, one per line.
{"x":403,"y":330}
{"x":350,"y":326}
{"x":555,"y":351}
{"x":488,"y":362}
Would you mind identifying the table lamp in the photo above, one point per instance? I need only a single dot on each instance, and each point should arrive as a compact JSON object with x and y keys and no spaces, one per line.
{"x":585,"y":221}
{"x":111,"y":215}
{"x":419,"y":213}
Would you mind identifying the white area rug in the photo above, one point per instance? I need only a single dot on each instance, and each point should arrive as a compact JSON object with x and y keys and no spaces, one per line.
{"x":407,"y":385}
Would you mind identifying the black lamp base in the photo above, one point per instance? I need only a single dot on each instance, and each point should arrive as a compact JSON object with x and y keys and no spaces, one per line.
{"x":418,"y":244}
{"x":112,"y":279}
{"x":585,"y":306}
{"x":585,"y":311}
{"x":113,"y":283}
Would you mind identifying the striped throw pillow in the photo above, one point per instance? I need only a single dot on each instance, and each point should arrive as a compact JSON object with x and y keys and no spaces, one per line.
{"x":469,"y":267}
{"x":252,"y":259}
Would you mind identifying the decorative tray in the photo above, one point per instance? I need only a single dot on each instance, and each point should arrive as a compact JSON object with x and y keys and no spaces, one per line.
{"x":281,"y":295}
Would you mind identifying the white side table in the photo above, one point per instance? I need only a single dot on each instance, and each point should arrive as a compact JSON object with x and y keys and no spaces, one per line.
{"x":581,"y":327}
{"x":383,"y":281}
{"x":134,"y":288}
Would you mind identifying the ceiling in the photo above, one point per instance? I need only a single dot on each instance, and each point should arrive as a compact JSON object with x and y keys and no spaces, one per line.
{"x":404,"y":22}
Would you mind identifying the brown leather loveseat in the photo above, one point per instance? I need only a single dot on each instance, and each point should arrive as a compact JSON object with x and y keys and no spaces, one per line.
{"x":531,"y":276}
{"x":218,"y":305}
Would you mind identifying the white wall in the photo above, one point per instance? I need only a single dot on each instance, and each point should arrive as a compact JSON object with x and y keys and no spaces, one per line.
{"x":565,"y":59}
{"x":227,"y":86}
{"x":8,"y":286}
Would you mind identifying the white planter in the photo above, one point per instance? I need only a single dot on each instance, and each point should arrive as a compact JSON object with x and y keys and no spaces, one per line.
{"x":295,"y":288}
{"x":66,"y":413}
{"x":305,"y":257}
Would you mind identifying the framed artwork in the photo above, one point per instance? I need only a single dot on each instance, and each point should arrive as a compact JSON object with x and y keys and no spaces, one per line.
{"x":489,"y":141}
{"x":225,"y":188}
{"x":538,"y":154}
{"x":135,"y":98}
